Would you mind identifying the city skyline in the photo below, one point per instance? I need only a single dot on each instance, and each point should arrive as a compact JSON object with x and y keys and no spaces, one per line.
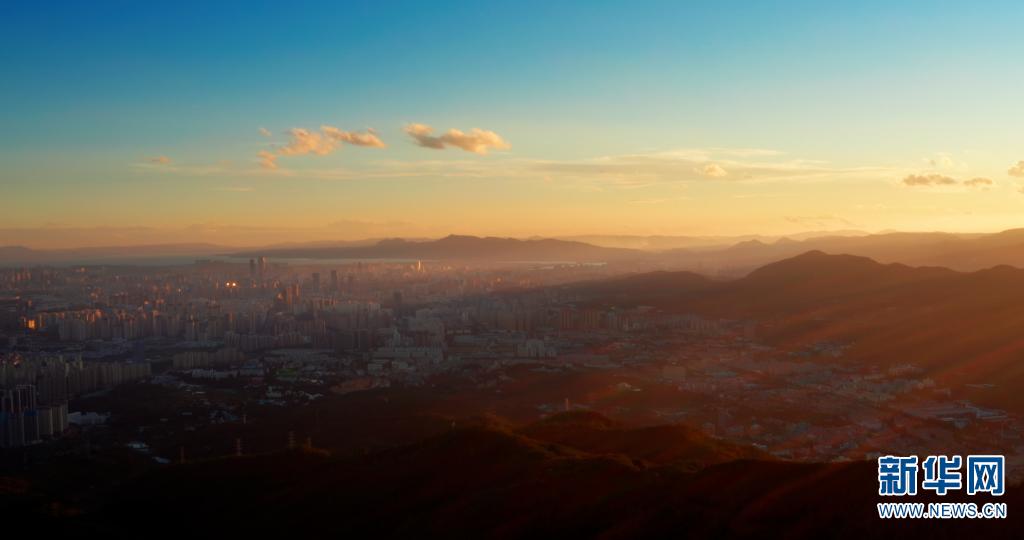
{"x":137,"y":124}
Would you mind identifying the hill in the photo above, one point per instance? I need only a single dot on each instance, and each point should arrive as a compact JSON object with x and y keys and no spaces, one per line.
{"x":961,"y":326}
{"x":675,"y":445}
{"x":480,"y":482}
{"x":964,"y":252}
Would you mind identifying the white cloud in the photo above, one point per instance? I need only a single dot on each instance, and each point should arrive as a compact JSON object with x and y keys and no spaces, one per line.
{"x":942,"y":161}
{"x":713,"y":170}
{"x":265,"y":132}
{"x":477,"y":141}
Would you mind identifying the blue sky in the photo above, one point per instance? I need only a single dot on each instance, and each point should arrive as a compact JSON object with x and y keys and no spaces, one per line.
{"x":92,"y":91}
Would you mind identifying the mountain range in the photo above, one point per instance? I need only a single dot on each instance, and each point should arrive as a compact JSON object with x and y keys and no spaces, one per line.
{"x":456,"y":247}
{"x":725,"y":256}
{"x":964,"y":327}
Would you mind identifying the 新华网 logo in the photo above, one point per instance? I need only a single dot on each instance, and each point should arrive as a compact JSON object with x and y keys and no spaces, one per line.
{"x":898,"y":475}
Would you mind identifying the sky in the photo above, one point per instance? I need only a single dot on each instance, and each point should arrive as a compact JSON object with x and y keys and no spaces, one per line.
{"x":253,"y":123}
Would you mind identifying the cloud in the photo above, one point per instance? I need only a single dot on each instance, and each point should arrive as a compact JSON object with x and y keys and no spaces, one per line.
{"x":304,"y":142}
{"x":267,"y":160}
{"x":160,"y":160}
{"x":713,"y":170}
{"x":693,"y":165}
{"x":321,"y":143}
{"x":421,"y":133}
{"x":359,"y":228}
{"x":265,"y":132}
{"x":1017,"y":170}
{"x":928,"y":180}
{"x":660,"y":200}
{"x":623,"y":171}
{"x":368,"y":138}
{"x":918,"y":180}
{"x":822,"y":222}
{"x":942,"y":161}
{"x":978,"y":182}
{"x":477,"y":141}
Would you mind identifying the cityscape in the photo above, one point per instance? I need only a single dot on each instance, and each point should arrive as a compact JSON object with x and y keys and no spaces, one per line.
{"x":267,"y":335}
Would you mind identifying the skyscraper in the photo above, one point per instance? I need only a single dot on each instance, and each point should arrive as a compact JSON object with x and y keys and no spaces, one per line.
{"x":262,"y":269}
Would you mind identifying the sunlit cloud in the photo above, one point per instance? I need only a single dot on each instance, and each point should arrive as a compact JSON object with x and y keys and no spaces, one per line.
{"x":979,"y":182}
{"x":320,"y":143}
{"x":160,"y":160}
{"x":267,"y":160}
{"x":477,"y":141}
{"x":620,"y":171}
{"x":421,"y":133}
{"x":1017,"y":170}
{"x":304,"y":142}
{"x":713,"y":170}
{"x":822,"y":222}
{"x":660,"y":200}
{"x":695,"y":165}
{"x":367,"y":138}
{"x":928,"y":180}
{"x":944,"y":161}
{"x":265,"y":132}
{"x":939,"y":180}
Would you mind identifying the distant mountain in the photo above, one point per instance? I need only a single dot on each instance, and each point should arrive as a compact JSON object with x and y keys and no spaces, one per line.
{"x":961,"y":326}
{"x":712,"y":255}
{"x":956,"y":251}
{"x":668,"y":242}
{"x":456,"y":247}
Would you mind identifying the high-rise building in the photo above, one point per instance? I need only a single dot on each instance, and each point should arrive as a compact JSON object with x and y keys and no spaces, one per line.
{"x":18,"y":416}
{"x":261,"y":269}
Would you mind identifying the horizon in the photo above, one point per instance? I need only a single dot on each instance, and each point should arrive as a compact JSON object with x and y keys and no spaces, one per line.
{"x":288,"y":238}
